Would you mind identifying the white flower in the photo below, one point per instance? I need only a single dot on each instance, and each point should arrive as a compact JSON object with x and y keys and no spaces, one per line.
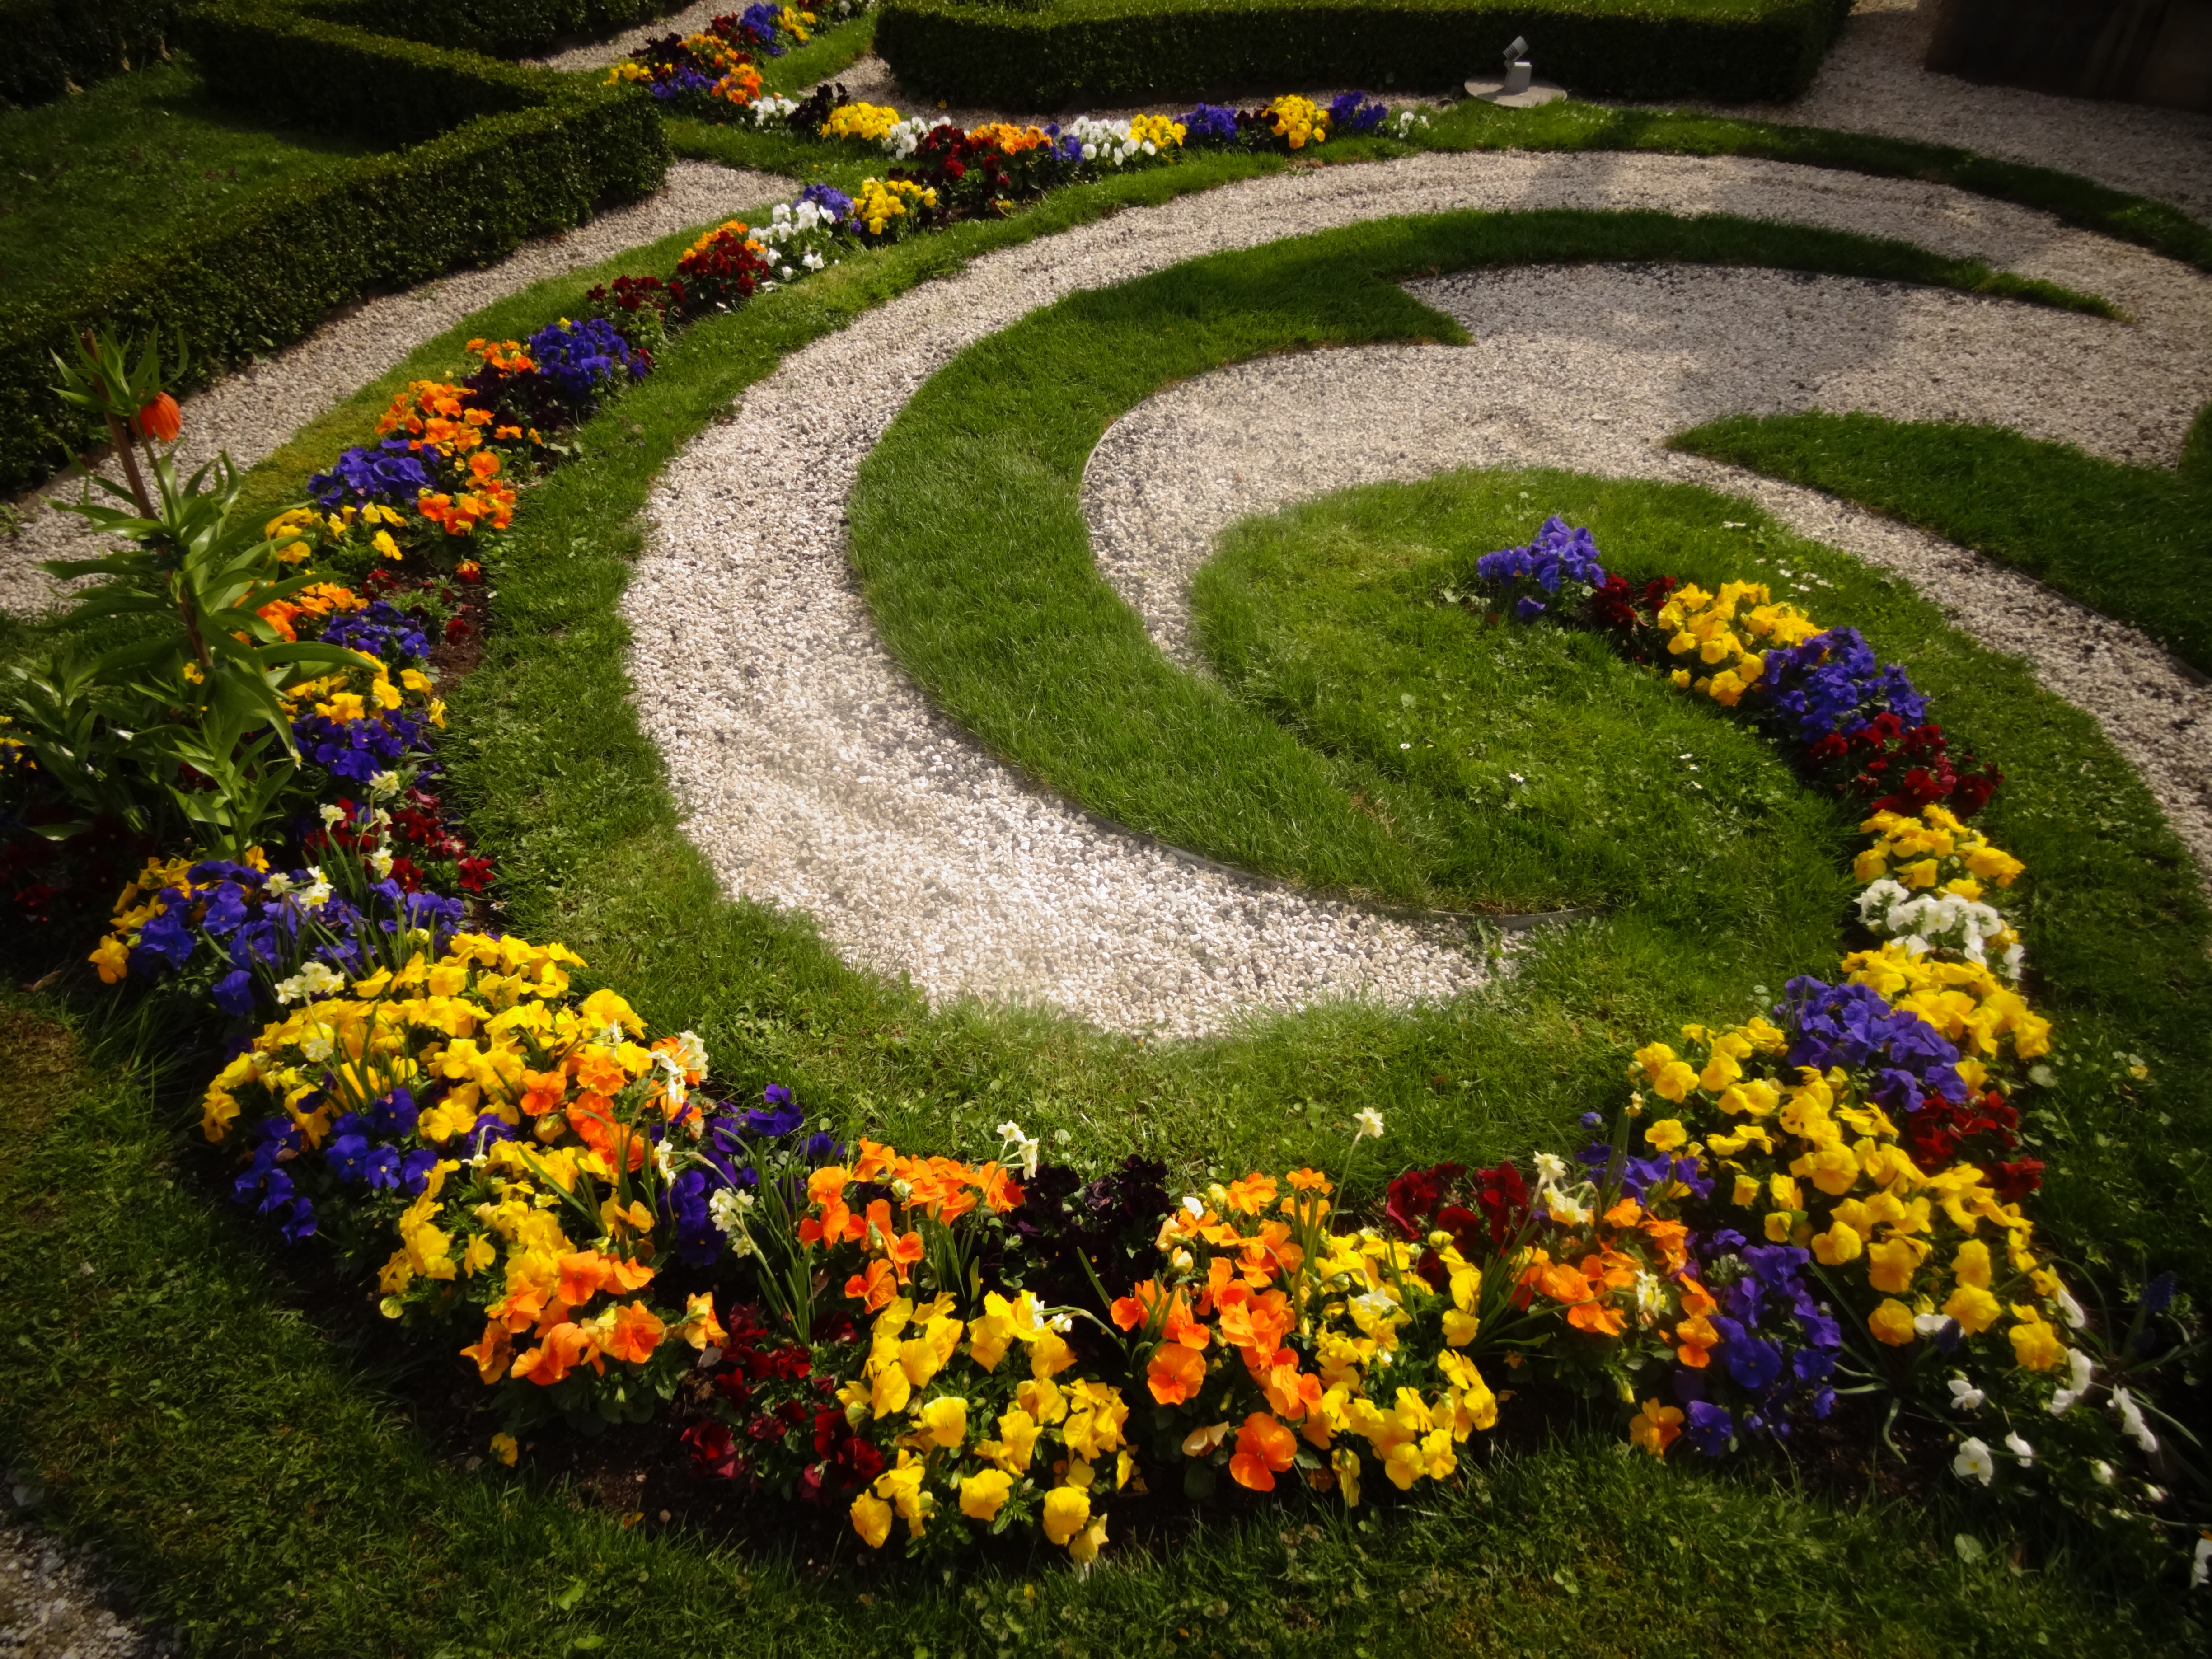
{"x":317,"y":1044}
{"x":2103,"y":1471}
{"x":381,"y":861}
{"x":662,"y":1161}
{"x":2131,"y":1421}
{"x":1365,"y":1123}
{"x":1650,"y":1294}
{"x":1965,"y":1396}
{"x":333,"y":816}
{"x":2081,"y":1368}
{"x":1551,"y":1168}
{"x":1929,"y":1324}
{"x":612,"y":1037}
{"x":1023,"y":1149}
{"x":278,"y":884}
{"x":385,"y":783}
{"x":314,"y":980}
{"x":317,"y":892}
{"x":1090,"y":152}
{"x":2019,"y":1449}
{"x":2070,"y":1310}
{"x":2200,"y":1569}
{"x":1974,"y":1463}
{"x":1377,"y":1303}
{"x":1192,"y":1206}
{"x":727,"y":1209}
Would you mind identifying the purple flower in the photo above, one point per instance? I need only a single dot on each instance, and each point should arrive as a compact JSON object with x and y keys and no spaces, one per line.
{"x":391,"y":472}
{"x":1556,"y":554}
{"x":1709,"y":1428}
{"x":233,"y":994}
{"x":1351,"y":111}
{"x":1209,"y":123}
{"x":831,"y":200}
{"x":778,"y":1115}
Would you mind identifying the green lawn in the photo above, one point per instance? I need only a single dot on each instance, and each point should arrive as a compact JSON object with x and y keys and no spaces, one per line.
{"x":109,"y":171}
{"x":2133,"y":541}
{"x":240,"y":1455}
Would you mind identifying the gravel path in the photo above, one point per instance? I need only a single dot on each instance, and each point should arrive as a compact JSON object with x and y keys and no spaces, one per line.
{"x":251,"y":412}
{"x":1873,"y":82}
{"x":816,"y":775}
{"x":52,"y":1606}
{"x":1590,"y":369}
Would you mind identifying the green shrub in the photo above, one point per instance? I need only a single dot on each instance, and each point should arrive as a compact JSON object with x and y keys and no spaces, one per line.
{"x":53,"y":44}
{"x":505,"y":154}
{"x":1044,"y":55}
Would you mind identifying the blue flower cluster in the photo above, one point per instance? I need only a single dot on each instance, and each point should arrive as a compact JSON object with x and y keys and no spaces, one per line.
{"x":582,"y":361}
{"x":675,"y":81}
{"x":1557,"y":554}
{"x":360,"y":749}
{"x":737,"y":1145}
{"x":830,"y":200}
{"x":1832,"y":683}
{"x":1352,"y":111}
{"x":354,"y":1157}
{"x":1784,"y":1363}
{"x":268,"y":1187}
{"x":1209,"y":123}
{"x":382,"y":630}
{"x":1854,"y":1027}
{"x":760,"y":24}
{"x":391,"y":473}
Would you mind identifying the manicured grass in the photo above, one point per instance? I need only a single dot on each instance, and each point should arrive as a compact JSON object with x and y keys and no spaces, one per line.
{"x":108,"y":171}
{"x":236,"y":1461}
{"x":2133,"y":541}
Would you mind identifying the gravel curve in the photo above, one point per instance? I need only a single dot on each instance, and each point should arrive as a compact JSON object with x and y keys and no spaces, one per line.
{"x":1590,"y":369}
{"x":54,"y":1605}
{"x":251,"y":411}
{"x":1873,"y":82}
{"x":815,"y":774}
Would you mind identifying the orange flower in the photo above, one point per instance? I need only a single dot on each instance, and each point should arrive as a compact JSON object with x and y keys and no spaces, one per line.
{"x":1136,"y":1309}
{"x":584,"y":1274}
{"x":530,"y":1285}
{"x":1654,"y":1427}
{"x":1309,"y":1181}
{"x":1000,"y":1189}
{"x":566,"y":1347}
{"x":483,"y":464}
{"x":602,"y":1073}
{"x":492,"y":1352}
{"x":1251,"y":1194}
{"x":160,"y":420}
{"x":874,"y":1286}
{"x":638,"y":1332}
{"x":1597,"y":1318}
{"x":542,"y":1091}
{"x":1695,"y":1335}
{"x":1563,"y":1284}
{"x":702,"y":1329}
{"x":1175,"y":1374}
{"x":1265,"y":1449}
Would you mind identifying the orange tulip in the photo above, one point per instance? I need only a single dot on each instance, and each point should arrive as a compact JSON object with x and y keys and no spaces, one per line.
{"x":160,"y":420}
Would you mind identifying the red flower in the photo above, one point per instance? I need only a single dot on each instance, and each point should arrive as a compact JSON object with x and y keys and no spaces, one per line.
{"x":160,"y":420}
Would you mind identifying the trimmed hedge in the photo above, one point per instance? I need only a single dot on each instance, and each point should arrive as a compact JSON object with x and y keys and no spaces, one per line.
{"x":53,"y":44}
{"x":495,"y":154}
{"x":1044,"y":55}
{"x":500,"y":29}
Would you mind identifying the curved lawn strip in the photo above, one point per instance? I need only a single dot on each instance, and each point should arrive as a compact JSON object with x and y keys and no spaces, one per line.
{"x":969,"y":539}
{"x":233,"y":1462}
{"x":968,"y":532}
{"x":2132,"y":542}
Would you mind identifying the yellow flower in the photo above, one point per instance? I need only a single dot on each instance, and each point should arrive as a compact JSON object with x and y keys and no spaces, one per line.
{"x":2035,"y":1345}
{"x":1974,"y":1308}
{"x":1840,"y":1244}
{"x":1892,"y":1323}
{"x":945,"y":1420}
{"x":1972,"y":1264}
{"x":1668,"y":1132}
{"x":1654,"y":1427}
{"x":983,"y":1494}
{"x":1067,"y":1510}
{"x":504,"y":1448}
{"x":871,"y":1519}
{"x":112,"y":958}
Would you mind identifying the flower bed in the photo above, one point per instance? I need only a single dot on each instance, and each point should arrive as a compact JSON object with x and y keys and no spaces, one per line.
{"x":1829,"y":1198}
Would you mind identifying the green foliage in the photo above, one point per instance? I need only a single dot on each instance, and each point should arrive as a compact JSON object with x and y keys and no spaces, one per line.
{"x":516,"y":154}
{"x":500,"y":29}
{"x":2133,"y":541}
{"x":117,"y":168}
{"x":55,"y":44}
{"x":1048,"y":53}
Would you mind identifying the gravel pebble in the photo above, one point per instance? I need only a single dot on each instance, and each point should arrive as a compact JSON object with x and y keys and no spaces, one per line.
{"x":1591,"y":367}
{"x":53,"y":1606}
{"x":815,"y":775}
{"x":1873,"y":82}
{"x":251,"y":413}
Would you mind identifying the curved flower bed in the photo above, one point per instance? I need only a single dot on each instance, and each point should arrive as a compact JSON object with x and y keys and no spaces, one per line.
{"x":1823,"y":1200}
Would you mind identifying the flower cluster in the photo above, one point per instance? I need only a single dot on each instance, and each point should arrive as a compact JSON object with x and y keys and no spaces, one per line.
{"x":714,"y":68}
{"x":724,"y":267}
{"x":1558,"y":555}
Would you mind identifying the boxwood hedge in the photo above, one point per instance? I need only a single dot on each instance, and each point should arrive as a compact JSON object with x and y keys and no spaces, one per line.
{"x":489,"y":156}
{"x":55,"y":44}
{"x":1044,"y":54}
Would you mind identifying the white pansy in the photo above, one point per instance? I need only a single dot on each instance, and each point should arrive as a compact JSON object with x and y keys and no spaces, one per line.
{"x":2019,"y":1449}
{"x":385,"y":783}
{"x":1974,"y":1463}
{"x":1965,"y":1396}
{"x":1193,"y":1206}
{"x":2200,"y":1566}
{"x":2131,"y":1421}
{"x":1930,"y":1324}
{"x":2103,"y":1471}
{"x":2070,"y":1310}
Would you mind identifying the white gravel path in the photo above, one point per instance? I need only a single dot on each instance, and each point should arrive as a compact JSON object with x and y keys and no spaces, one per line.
{"x":253,"y":411}
{"x":54,"y":1605}
{"x":1873,"y":82}
{"x":1590,"y":369}
{"x":815,"y":775}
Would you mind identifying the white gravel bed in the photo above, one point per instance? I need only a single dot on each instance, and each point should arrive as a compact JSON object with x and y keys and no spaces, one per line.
{"x":1873,"y":82}
{"x":52,"y":1606}
{"x":1590,"y":369}
{"x":251,"y":413}
{"x":815,"y":775}
{"x":597,"y":54}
